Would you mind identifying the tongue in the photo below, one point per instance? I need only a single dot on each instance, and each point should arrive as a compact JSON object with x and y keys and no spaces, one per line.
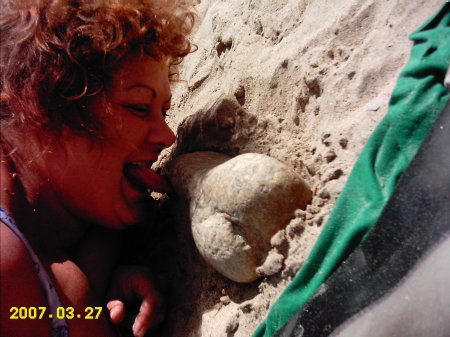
{"x":147,"y":177}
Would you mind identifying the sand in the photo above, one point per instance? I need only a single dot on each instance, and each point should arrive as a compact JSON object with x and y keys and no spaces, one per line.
{"x":314,"y":78}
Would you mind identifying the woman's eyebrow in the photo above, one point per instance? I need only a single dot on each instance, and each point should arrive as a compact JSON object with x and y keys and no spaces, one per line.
{"x":153,"y":91}
{"x":141,"y":85}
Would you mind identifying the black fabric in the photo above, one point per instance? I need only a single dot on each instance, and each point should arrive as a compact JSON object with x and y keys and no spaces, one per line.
{"x":415,"y":218}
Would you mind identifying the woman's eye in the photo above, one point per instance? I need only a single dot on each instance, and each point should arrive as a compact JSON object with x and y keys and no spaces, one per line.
{"x":165,"y":112}
{"x":139,"y":110}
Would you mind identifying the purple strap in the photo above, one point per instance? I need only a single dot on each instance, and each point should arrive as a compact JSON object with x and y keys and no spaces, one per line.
{"x":59,"y":326}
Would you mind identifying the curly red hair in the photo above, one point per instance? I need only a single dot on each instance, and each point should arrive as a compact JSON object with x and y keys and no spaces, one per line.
{"x":56,"y":54}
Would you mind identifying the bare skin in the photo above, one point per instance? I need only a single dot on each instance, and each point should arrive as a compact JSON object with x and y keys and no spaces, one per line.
{"x":58,"y":197}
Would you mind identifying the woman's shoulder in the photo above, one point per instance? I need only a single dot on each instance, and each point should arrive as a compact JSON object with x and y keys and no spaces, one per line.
{"x":17,"y":270}
{"x":20,"y":288}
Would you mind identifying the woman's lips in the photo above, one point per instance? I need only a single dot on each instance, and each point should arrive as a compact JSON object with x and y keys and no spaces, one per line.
{"x":144,"y":176}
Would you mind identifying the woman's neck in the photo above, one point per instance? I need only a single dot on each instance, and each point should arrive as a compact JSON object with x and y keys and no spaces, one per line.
{"x":50,"y":229}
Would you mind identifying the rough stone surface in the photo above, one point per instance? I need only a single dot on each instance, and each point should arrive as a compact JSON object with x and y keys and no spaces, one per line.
{"x":236,"y":205}
{"x":279,"y":239}
{"x":223,"y":126}
{"x":272,"y":265}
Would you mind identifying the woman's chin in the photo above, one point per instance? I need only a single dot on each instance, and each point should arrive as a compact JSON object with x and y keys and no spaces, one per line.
{"x":137,"y":213}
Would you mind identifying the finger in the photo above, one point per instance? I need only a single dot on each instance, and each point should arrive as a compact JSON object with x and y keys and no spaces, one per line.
{"x":145,"y":316}
{"x":116,"y":311}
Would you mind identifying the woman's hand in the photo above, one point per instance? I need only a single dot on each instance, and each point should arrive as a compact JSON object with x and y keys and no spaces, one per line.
{"x":134,"y":300}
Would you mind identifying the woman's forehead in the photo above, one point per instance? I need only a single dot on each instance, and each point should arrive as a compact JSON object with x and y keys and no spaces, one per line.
{"x":143,"y":72}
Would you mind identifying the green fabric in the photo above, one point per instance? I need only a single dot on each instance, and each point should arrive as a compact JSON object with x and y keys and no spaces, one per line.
{"x":418,"y":98}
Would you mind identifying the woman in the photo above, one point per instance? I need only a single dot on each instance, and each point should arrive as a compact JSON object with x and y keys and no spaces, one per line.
{"x":85,"y":86}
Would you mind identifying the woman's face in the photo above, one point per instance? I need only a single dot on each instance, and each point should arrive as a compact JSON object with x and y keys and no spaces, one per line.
{"x":106,"y":181}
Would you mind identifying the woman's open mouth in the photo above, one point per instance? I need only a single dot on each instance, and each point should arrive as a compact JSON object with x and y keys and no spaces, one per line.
{"x":140,"y":174}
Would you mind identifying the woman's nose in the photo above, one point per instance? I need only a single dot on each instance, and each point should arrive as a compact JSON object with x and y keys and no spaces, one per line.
{"x":161,"y":134}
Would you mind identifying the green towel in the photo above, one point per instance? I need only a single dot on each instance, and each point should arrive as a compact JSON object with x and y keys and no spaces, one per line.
{"x":418,"y":98}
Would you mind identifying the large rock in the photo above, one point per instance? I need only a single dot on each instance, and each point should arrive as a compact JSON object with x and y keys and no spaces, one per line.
{"x":236,"y":205}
